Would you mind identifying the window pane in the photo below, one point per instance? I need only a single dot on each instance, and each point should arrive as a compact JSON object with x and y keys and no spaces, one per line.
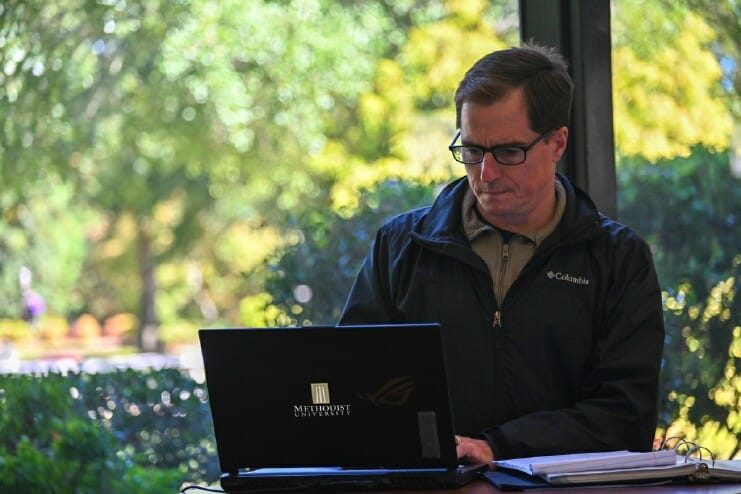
{"x":676,"y":108}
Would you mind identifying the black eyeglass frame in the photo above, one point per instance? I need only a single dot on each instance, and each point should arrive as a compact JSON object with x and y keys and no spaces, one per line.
{"x":493,"y":150}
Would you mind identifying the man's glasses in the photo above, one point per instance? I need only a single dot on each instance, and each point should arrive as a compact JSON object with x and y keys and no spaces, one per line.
{"x":505,"y":155}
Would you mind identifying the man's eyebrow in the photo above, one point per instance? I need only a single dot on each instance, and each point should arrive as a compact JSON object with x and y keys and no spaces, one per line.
{"x":467,"y":142}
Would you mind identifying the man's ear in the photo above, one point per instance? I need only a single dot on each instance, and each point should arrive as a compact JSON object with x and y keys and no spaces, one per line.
{"x":559,"y":138}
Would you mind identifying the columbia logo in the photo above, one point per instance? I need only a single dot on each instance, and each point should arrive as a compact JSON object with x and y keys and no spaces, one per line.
{"x":577,"y":280}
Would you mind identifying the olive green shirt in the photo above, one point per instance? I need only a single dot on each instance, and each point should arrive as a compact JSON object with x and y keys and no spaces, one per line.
{"x":505,"y":260}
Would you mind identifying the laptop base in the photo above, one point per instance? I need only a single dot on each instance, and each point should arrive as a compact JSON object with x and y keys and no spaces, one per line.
{"x":329,"y":479}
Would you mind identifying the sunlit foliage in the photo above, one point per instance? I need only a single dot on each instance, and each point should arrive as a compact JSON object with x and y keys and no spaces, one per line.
{"x":666,"y":85}
{"x":196,"y":162}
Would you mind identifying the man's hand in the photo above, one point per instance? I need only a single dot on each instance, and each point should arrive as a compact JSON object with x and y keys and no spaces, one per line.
{"x":473,"y":451}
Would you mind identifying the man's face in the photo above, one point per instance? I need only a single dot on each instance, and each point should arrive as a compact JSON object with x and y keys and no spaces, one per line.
{"x":519,"y":198}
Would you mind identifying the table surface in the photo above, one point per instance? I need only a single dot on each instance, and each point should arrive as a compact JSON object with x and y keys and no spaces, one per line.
{"x":485,"y":487}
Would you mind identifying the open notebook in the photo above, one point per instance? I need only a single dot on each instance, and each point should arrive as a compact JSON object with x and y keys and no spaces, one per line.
{"x":332,"y":407}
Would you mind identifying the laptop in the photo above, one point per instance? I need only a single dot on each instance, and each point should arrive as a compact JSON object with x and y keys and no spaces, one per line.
{"x":340,"y":407}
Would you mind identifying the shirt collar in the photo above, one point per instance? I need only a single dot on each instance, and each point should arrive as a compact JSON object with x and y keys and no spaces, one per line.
{"x":474,"y":226}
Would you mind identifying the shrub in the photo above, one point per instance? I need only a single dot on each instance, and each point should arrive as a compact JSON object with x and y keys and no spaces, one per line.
{"x":179,"y":331}
{"x":53,"y":328}
{"x":126,"y":432}
{"x":14,"y":330}
{"x":86,"y":327}
{"x":120,"y":325}
{"x":47,"y":447}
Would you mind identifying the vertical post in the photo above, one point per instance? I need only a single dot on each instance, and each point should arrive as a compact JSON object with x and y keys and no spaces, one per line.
{"x":581,"y":31}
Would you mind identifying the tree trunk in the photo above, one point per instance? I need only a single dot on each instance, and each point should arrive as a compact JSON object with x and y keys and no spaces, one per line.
{"x":149,"y":340}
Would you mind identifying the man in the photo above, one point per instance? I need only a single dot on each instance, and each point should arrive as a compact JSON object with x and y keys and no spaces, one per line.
{"x":551,"y":313}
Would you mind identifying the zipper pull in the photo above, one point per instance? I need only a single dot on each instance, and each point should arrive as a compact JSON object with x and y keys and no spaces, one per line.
{"x":497,"y":326}
{"x":497,"y":320}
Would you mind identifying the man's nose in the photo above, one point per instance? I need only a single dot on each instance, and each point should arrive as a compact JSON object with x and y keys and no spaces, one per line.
{"x":490,"y":169}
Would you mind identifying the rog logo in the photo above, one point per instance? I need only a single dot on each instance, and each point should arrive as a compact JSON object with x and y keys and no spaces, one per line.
{"x":394,"y":393}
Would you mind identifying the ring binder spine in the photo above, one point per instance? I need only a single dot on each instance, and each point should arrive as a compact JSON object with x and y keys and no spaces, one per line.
{"x":691,"y":451}
{"x":702,"y":472}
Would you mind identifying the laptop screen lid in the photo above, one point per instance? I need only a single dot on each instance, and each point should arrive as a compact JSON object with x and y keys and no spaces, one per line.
{"x":370,"y":396}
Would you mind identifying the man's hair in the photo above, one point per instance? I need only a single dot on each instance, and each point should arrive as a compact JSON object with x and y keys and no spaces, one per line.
{"x":541,"y":71}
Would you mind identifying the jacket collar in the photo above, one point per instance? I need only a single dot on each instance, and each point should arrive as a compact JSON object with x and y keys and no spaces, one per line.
{"x":580,"y":213}
{"x":443,"y":221}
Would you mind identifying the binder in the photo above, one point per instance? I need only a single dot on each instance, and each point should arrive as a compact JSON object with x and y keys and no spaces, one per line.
{"x":685,"y":462}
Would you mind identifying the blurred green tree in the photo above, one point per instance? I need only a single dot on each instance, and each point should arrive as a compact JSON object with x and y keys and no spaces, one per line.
{"x":154,"y":154}
{"x":667,"y":96}
{"x":309,"y":280}
{"x":180,"y":123}
{"x":674,"y":107}
{"x":382,"y":162}
{"x":692,"y":227}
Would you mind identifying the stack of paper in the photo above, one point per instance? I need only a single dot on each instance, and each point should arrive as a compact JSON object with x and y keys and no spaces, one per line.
{"x":621,"y":466}
{"x":584,"y":462}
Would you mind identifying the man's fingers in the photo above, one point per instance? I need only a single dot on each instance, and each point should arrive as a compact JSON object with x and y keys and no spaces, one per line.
{"x":473,"y":450}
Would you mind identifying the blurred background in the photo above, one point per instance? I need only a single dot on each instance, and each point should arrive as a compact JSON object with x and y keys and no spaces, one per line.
{"x":167,"y":165}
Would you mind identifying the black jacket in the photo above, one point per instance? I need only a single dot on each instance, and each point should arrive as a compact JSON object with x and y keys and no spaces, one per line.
{"x":567,"y":362}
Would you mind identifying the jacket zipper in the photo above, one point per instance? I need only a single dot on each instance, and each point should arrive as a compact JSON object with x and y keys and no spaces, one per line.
{"x":497,"y":327}
{"x":502,"y":272}
{"x":497,"y":323}
{"x":497,"y":319}
{"x":499,"y":296}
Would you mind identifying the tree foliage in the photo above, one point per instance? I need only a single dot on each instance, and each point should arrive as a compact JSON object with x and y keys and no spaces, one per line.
{"x":167,"y":115}
{"x":693,"y":231}
{"x":124,"y":432}
{"x":667,"y":96}
{"x":201,"y":162}
{"x":410,"y":105}
{"x":309,"y":280}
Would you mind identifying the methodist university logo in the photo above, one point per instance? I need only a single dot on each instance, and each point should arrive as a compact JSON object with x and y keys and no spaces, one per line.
{"x":319,"y":393}
{"x":393,"y":393}
{"x":321,"y":404}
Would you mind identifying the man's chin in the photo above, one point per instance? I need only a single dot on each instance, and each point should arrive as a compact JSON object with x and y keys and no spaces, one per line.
{"x":494,"y":207}
{"x":495,"y":200}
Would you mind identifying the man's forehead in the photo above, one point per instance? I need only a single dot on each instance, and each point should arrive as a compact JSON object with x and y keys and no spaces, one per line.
{"x":495,"y":123}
